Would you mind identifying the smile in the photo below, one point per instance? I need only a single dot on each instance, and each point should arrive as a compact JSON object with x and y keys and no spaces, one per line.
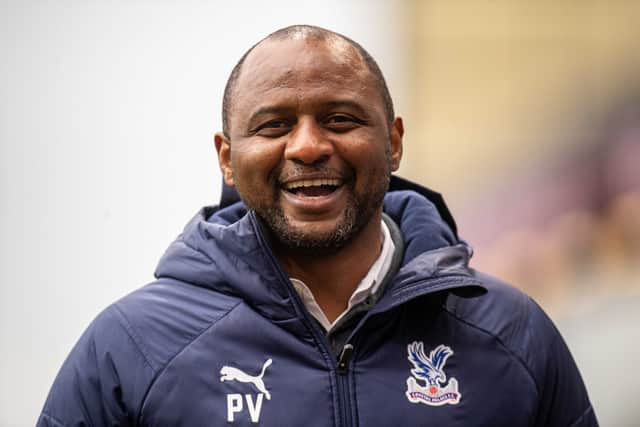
{"x":313,"y":187}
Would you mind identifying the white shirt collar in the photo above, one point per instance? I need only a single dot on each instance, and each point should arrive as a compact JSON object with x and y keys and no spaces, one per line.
{"x":367,"y":286}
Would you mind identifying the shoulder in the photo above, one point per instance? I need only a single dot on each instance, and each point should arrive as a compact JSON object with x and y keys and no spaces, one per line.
{"x":525,"y":331}
{"x":166,"y":315}
{"x":503,"y":311}
{"x":154,"y":323}
{"x":512,"y":318}
{"x":126,"y":348}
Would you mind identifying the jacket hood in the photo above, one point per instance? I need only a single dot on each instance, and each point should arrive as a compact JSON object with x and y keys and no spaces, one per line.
{"x":223,"y":248}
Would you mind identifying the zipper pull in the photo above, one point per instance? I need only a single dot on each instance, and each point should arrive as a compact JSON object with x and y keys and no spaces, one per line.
{"x":344,"y":359}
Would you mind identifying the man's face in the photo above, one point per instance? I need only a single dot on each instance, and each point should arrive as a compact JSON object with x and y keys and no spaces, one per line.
{"x":310,"y":148}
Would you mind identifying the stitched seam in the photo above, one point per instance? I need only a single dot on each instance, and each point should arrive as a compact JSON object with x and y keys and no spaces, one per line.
{"x":413,"y":291}
{"x":497,"y":338}
{"x":354,"y":399}
{"x":582,"y":416}
{"x":404,"y":295}
{"x":179,"y":352}
{"x":53,"y":419}
{"x":435,"y":284}
{"x":124,"y":322}
{"x":184,"y":242}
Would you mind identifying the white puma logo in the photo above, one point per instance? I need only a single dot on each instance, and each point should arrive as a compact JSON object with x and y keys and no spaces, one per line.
{"x":229,"y":373}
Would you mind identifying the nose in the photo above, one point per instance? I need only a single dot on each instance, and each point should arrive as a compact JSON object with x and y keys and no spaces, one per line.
{"x":307,"y":144}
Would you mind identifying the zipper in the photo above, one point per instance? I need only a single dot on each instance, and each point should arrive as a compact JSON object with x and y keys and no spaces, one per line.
{"x":342,"y":364}
{"x":344,"y":359}
{"x":343,"y":383}
{"x":339,"y":365}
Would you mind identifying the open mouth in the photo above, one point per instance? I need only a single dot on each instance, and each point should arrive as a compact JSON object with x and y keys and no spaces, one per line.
{"x":313,"y":187}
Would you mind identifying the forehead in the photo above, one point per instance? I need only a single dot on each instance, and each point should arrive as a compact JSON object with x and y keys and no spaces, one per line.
{"x":278,"y":67}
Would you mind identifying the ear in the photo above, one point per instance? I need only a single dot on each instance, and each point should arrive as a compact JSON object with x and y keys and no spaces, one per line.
{"x":395,"y":138}
{"x":223,"y":147}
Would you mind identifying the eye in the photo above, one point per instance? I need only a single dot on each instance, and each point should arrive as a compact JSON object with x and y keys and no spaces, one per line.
{"x":341,"y":122}
{"x":273,"y":128}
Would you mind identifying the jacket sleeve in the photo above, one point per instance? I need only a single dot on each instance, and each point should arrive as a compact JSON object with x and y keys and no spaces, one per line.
{"x":103,"y":380}
{"x":563,"y":396}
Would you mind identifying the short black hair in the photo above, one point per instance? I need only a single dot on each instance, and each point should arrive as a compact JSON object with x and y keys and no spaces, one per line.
{"x":307,"y":32}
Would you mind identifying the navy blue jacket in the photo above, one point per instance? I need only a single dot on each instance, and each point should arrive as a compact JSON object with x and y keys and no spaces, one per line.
{"x":222,"y":338}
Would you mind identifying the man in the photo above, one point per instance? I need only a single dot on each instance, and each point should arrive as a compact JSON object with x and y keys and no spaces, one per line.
{"x":332,"y":295}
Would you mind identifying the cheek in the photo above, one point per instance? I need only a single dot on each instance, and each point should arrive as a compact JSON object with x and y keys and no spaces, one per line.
{"x":255,"y":162}
{"x":366,"y":155}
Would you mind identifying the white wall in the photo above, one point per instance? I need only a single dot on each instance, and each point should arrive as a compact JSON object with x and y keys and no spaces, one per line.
{"x":108,"y":113}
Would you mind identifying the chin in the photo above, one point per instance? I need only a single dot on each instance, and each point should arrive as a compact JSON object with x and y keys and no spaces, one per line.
{"x":324,"y":236}
{"x":313,"y":239}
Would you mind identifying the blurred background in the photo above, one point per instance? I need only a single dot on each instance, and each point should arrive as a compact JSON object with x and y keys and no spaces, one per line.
{"x":525,"y":115}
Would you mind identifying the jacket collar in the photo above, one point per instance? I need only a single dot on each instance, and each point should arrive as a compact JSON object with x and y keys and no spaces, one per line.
{"x":224,"y":248}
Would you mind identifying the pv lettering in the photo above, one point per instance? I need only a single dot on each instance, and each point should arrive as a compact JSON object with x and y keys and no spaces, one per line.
{"x":235,"y":401}
{"x":235,"y":406}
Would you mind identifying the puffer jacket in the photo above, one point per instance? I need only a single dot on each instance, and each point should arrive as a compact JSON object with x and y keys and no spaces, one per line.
{"x":221,"y":338}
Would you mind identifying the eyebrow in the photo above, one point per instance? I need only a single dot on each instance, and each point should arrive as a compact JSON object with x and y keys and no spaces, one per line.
{"x":348,"y":104}
{"x":269,"y":109}
{"x":274,"y":109}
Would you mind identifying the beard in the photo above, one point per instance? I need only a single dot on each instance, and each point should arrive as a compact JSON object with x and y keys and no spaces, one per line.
{"x":358,"y":213}
{"x":361,"y":208}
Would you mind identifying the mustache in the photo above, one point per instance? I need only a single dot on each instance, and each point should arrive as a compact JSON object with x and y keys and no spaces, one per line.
{"x":296,"y":171}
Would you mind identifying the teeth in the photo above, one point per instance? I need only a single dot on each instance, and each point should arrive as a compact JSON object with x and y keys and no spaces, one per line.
{"x":311,"y":183}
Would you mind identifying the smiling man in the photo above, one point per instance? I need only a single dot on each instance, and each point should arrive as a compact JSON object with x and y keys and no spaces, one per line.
{"x":310,"y":144}
{"x":329,"y":293}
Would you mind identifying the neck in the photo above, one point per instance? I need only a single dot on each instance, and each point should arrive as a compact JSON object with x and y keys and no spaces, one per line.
{"x":332,"y":278}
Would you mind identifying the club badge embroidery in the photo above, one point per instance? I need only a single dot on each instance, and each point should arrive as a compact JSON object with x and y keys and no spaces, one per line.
{"x":436,"y":391}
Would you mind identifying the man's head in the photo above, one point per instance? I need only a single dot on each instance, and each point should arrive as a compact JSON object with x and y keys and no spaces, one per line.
{"x":307,"y":32}
{"x":310,"y":139}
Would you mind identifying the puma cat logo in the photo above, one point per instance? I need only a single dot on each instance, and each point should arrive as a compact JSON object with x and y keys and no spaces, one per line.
{"x":229,"y":373}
